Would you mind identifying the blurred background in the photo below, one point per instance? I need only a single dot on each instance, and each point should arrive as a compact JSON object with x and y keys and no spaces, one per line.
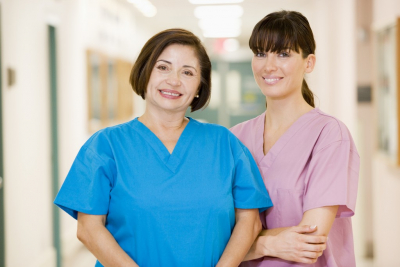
{"x":64,"y":74}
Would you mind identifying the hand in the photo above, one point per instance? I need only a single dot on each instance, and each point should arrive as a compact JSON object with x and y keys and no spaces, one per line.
{"x":294,"y":244}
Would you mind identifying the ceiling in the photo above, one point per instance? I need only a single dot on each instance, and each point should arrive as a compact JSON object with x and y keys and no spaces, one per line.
{"x":180,"y":14}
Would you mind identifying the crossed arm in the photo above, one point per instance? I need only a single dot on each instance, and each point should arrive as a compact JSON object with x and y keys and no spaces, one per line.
{"x":300,"y":243}
{"x":95,"y":236}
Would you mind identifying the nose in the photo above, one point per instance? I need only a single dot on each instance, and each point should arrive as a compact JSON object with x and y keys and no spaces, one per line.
{"x":174,"y":79}
{"x":270,"y":62}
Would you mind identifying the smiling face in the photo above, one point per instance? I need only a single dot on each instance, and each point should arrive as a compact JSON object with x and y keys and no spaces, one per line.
{"x":174,"y":80}
{"x":280,"y":75}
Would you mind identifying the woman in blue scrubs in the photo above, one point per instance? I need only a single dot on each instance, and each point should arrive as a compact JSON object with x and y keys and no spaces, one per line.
{"x":164,"y":189}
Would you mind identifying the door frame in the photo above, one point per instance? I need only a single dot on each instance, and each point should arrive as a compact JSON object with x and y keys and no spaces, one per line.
{"x":52,"y":31}
{"x":2,"y":216}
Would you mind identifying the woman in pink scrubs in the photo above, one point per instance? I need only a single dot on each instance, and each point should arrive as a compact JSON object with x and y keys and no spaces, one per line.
{"x":307,"y":158}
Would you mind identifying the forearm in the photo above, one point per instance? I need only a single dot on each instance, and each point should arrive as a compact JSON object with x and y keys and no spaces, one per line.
{"x":322,"y":217}
{"x":260,"y":247}
{"x":300,"y":243}
{"x":103,"y":246}
{"x":243,"y":235}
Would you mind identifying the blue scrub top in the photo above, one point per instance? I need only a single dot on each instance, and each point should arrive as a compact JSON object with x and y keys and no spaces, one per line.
{"x":165,"y":209}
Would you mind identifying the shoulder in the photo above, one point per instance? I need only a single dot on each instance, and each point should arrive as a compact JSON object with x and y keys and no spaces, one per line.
{"x":101,"y":142}
{"x":248,"y":126}
{"x":210,"y":128}
{"x":332,"y":130}
{"x":219,"y":134}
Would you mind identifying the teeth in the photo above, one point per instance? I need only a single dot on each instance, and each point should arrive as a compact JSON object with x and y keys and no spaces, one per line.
{"x":271,"y":80}
{"x":168,"y":93}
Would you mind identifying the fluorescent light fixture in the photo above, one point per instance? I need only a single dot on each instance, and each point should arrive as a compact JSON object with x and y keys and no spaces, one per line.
{"x":221,"y":33}
{"x":212,"y":2}
{"x":205,"y":24}
{"x":220,"y":27}
{"x":145,"y":7}
{"x":223,"y":11}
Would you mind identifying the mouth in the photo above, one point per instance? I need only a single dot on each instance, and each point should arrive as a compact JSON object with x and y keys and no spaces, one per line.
{"x":272,"y":80}
{"x":169,"y":93}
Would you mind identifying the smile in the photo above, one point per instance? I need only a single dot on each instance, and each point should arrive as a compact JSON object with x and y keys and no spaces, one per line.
{"x":272,"y":80}
{"x":169,"y":93}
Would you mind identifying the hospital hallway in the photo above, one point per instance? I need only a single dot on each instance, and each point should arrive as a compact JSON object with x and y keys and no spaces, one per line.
{"x":64,"y":74}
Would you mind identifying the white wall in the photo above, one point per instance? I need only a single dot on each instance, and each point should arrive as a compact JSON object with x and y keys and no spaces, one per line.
{"x":27,"y":190}
{"x":80,"y":25}
{"x":334,"y":77}
{"x":386,"y":178}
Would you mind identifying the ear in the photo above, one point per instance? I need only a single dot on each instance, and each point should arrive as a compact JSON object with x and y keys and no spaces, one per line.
{"x":310,"y":63}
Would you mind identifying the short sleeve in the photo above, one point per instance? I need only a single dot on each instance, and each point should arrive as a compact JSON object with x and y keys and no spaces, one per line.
{"x":249,"y":191}
{"x":89,"y":182}
{"x":332,"y":178}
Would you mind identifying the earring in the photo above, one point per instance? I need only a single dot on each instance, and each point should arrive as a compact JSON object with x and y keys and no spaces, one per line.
{"x":197,"y":96}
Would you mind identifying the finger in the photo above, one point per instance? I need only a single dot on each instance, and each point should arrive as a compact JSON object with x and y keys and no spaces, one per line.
{"x":305,"y":229}
{"x":311,"y":255}
{"x":314,"y":239}
{"x":314,"y":248}
{"x":306,"y":260}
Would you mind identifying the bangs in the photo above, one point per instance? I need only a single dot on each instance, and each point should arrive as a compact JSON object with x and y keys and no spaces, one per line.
{"x":273,"y":36}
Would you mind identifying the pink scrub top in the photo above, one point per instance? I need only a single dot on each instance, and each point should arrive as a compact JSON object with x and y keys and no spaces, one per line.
{"x":314,"y":164}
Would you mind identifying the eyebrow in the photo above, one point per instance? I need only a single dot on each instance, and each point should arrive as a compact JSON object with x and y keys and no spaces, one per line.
{"x":168,"y":62}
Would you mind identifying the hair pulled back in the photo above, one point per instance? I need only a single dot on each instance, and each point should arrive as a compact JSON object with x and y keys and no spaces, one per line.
{"x":285,"y":30}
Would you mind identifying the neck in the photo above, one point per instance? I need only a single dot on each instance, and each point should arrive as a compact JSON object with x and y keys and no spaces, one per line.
{"x":163,"y":120}
{"x":283,"y":112}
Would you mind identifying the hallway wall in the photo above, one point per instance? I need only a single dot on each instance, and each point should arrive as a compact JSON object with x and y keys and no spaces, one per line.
{"x":334,"y":77}
{"x":26,"y":121}
{"x":106,"y":26}
{"x":386,"y":177}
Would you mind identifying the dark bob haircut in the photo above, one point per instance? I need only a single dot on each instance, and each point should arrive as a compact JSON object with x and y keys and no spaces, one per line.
{"x":141,"y":71}
{"x":282,"y":30}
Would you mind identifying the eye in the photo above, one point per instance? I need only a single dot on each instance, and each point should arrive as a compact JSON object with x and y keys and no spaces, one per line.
{"x":162,"y":67}
{"x":188,"y":72}
{"x":259,"y":54}
{"x":284,"y":53}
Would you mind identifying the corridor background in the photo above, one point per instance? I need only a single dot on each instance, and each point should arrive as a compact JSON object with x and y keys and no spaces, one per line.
{"x":346,"y":60}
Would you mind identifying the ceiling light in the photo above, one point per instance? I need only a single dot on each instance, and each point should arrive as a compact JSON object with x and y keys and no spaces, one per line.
{"x":145,"y":7}
{"x":211,"y":2}
{"x":223,"y":11}
{"x":220,"y":27}
{"x":205,"y":24}
{"x":221,"y":33}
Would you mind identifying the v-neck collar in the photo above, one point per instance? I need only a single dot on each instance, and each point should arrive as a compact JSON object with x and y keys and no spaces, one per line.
{"x":171,"y":160}
{"x":268,"y":159}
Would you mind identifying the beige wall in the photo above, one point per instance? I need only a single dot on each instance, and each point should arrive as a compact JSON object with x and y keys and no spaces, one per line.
{"x":363,"y":221}
{"x":386,"y":178}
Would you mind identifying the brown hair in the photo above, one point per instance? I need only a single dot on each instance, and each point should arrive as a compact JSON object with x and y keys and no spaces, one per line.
{"x":285,"y":30}
{"x":141,"y":70}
